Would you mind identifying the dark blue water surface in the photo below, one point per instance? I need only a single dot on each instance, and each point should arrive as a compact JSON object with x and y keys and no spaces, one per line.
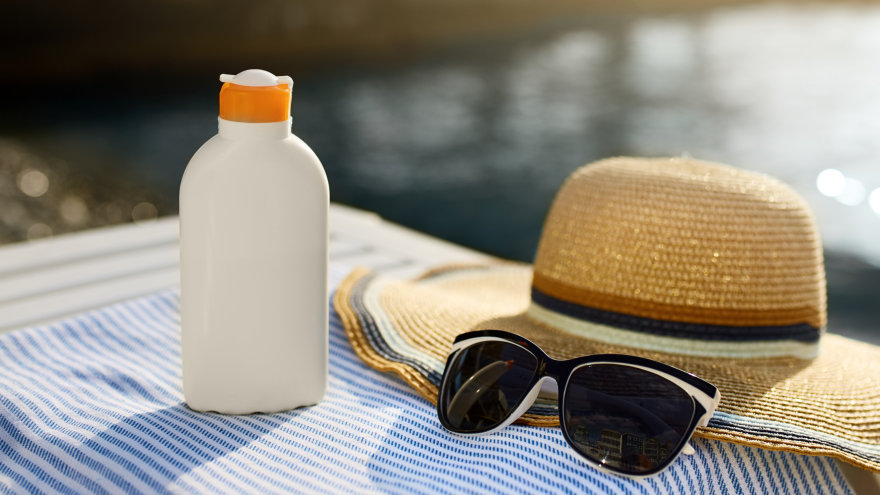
{"x":471,"y":143}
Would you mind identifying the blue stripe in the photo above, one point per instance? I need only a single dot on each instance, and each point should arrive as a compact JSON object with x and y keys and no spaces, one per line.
{"x":6,"y":469}
{"x":750,"y":484}
{"x":34,"y":449}
{"x":26,"y":444}
{"x":802,"y":332}
{"x":814,"y":478}
{"x":782,"y":474}
{"x":680,"y":488}
{"x":30,"y":420}
{"x":698,"y":485}
{"x":122,"y":446}
{"x":716,"y":466}
{"x":666,"y":483}
{"x":801,"y":476}
{"x":838,"y":476}
{"x":761,"y":483}
{"x":109,"y":452}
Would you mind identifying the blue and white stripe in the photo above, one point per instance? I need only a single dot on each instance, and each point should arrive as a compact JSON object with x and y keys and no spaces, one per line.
{"x":93,"y":405}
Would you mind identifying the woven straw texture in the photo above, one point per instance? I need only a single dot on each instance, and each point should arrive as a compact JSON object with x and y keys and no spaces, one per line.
{"x":683,"y":240}
{"x":733,"y":248}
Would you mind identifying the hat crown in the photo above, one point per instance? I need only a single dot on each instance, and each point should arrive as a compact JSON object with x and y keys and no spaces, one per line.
{"x":681,"y":241}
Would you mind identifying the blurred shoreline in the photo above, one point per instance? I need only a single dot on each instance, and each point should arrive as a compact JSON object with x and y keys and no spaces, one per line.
{"x":57,"y":42}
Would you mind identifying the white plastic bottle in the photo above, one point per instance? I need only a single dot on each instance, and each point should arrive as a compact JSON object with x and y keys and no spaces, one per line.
{"x":253,"y":258}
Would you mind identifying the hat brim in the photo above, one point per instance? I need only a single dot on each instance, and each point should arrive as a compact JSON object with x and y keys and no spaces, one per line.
{"x":829,"y":405}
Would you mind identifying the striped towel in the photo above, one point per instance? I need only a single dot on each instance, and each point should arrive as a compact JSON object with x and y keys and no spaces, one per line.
{"x":93,"y":404}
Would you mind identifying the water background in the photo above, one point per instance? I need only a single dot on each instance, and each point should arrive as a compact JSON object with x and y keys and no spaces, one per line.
{"x":471,"y":141}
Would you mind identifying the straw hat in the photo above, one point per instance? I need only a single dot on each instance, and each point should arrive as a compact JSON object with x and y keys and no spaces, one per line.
{"x":708,"y":268}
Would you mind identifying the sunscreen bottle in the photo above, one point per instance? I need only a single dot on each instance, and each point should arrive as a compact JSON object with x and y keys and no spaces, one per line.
{"x":253,"y":258}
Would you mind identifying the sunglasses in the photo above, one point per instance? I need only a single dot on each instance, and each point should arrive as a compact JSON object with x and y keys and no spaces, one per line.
{"x":624,"y":414}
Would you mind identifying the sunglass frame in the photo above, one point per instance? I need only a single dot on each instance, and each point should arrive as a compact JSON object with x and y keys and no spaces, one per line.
{"x":705,"y":396}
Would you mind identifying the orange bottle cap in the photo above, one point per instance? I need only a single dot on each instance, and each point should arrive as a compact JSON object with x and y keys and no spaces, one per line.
{"x":255,"y":96}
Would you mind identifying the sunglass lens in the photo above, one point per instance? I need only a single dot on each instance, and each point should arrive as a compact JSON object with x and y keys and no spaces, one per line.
{"x":483,"y":384}
{"x":628,"y":419}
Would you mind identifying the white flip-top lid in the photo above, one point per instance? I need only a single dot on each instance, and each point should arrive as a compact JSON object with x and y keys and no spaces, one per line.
{"x":256,"y":77}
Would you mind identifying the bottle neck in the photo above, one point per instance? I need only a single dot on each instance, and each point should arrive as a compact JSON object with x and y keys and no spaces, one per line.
{"x":248,"y":130}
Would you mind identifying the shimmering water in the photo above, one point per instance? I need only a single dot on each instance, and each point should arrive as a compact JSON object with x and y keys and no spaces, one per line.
{"x":470,"y":144}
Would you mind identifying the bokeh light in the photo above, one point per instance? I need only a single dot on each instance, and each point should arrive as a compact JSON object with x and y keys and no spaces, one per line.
{"x":853,"y":193}
{"x":33,"y":183}
{"x":874,"y":200}
{"x":144,"y":212}
{"x":831,"y":182}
